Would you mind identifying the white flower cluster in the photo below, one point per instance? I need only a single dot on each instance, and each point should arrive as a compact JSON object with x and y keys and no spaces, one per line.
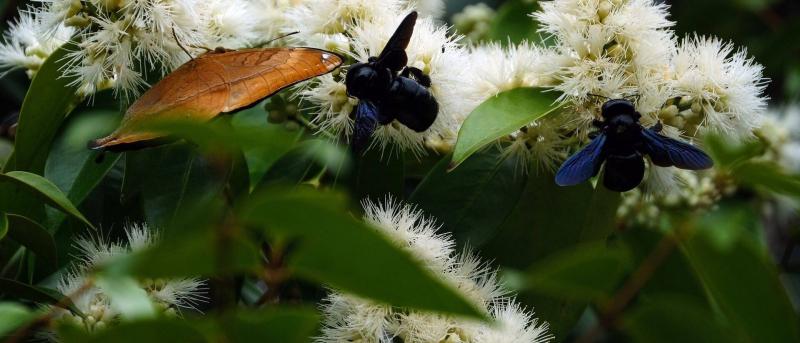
{"x":119,"y":41}
{"x":352,"y":319}
{"x":27,"y":43}
{"x":169,"y":296}
{"x":624,"y":49}
{"x":360,"y":29}
{"x":474,"y":21}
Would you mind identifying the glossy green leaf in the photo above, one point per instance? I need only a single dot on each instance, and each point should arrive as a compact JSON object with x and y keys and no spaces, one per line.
{"x":200,"y":254}
{"x":500,"y":116}
{"x":744,"y":284}
{"x":71,"y":166}
{"x":36,"y":238}
{"x":377,"y":175}
{"x":127,"y":297}
{"x":673,"y":276}
{"x":769,"y":176}
{"x":513,"y":23}
{"x":343,"y":252}
{"x":589,"y":271}
{"x":474,"y":200}
{"x":14,"y":316}
{"x":161,"y":330}
{"x":3,"y":225}
{"x":23,"y":291}
{"x":547,"y":219}
{"x":670,"y":318}
{"x":181,"y":175}
{"x":281,"y":324}
{"x":261,"y":158}
{"x":48,"y":101}
{"x":45,"y":190}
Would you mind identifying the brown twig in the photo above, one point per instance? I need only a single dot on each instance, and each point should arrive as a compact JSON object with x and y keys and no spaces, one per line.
{"x":274,"y":276}
{"x":610,"y":313}
{"x":45,"y":318}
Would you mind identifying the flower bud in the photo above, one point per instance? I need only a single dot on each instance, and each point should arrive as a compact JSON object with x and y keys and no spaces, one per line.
{"x":669,"y":112}
{"x":603,"y":9}
{"x":685,"y":103}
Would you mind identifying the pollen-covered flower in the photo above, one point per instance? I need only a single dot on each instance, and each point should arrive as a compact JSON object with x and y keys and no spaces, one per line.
{"x":27,"y":43}
{"x":169,"y":296}
{"x":721,"y":86}
{"x":118,"y":42}
{"x":360,"y":30}
{"x":352,"y":319}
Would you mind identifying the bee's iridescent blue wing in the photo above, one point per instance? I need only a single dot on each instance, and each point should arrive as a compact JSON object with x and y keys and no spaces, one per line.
{"x":583,"y":165}
{"x":366,"y":122}
{"x":666,"y":152}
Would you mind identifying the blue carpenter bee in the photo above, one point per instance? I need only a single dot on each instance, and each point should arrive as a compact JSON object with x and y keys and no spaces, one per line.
{"x":388,"y":90}
{"x":622,"y":143}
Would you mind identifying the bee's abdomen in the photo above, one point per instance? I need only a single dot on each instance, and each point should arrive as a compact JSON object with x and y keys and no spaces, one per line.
{"x":414,"y":105}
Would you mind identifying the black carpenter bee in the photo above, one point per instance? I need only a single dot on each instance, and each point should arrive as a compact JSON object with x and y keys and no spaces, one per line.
{"x":388,"y":90}
{"x":622,"y":143}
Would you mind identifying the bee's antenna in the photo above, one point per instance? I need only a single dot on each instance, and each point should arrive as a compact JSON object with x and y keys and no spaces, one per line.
{"x":177,"y":41}
{"x":279,"y":37}
{"x":600,"y":96}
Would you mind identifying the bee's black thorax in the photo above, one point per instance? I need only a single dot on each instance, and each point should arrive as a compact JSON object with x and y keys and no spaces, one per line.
{"x":621,"y":126}
{"x":401,"y":97}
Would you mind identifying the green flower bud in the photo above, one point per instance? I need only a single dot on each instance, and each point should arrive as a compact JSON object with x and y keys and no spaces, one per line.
{"x":685,"y":103}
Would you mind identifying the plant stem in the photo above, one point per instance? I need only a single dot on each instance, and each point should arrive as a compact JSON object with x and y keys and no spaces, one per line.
{"x":610,"y":313}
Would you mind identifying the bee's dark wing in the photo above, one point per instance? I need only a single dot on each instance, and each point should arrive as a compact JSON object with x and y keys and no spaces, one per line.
{"x":366,"y":121}
{"x":623,"y":173}
{"x":394,"y":55}
{"x":583,"y":165}
{"x":666,"y":152}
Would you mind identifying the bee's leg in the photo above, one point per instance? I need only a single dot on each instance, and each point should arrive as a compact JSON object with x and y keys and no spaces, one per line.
{"x":593,"y":134}
{"x":658,"y":127}
{"x":597,"y":123}
{"x":418,"y":75}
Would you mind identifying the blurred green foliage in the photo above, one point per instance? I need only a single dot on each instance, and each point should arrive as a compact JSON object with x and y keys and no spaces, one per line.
{"x":251,"y":204}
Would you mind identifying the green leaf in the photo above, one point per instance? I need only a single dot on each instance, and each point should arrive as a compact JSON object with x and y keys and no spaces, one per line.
{"x":500,"y":116}
{"x":23,"y":291}
{"x":728,"y":154}
{"x":473,"y":200}
{"x":3,"y":225}
{"x":589,"y":272}
{"x":345,"y":253}
{"x":285,"y":325}
{"x":674,"y":275}
{"x":547,"y":219}
{"x":769,"y":176}
{"x":743,"y":283}
{"x":127,"y":297}
{"x":161,"y":330}
{"x":74,"y":168}
{"x":513,"y":23}
{"x":378,"y":175}
{"x":166,"y":177}
{"x":670,"y":318}
{"x":34,"y":237}
{"x":48,"y":101}
{"x":192,"y":245}
{"x":45,"y":190}
{"x":261,"y":158}
{"x":14,"y":316}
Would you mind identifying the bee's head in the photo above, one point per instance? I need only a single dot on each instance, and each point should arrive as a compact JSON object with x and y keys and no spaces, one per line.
{"x":616,"y":107}
{"x":364,"y":80}
{"x":620,"y":115}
